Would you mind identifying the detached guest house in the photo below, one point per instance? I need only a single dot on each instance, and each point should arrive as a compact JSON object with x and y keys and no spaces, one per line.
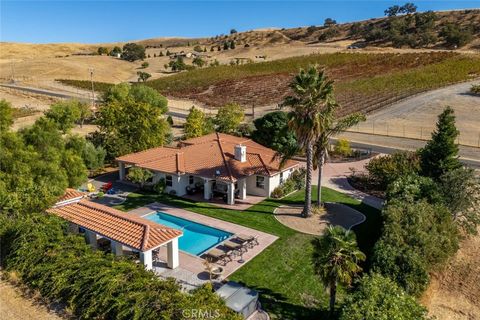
{"x":215,"y":165}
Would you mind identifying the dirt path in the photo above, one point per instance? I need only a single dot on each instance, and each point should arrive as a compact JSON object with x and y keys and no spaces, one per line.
{"x":13,"y":306}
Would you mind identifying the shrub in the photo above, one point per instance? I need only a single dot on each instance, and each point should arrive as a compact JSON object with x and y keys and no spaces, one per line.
{"x":160,"y":186}
{"x":277,"y":193}
{"x":173,"y":192}
{"x":455,"y":36}
{"x":145,"y":65}
{"x":132,"y":52}
{"x":342,"y":147}
{"x":475,"y":89}
{"x":318,"y":210}
{"x":385,"y":169}
{"x":92,"y":284}
{"x":378,"y":297}
{"x":299,"y":177}
{"x":197,"y":48}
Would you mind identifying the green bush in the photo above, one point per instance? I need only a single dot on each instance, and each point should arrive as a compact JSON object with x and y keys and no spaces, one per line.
{"x":377,"y":297}
{"x":92,"y":284}
{"x":296,"y":181}
{"x":384,"y":170}
{"x":160,"y":186}
{"x":475,"y":89}
{"x":342,"y":147}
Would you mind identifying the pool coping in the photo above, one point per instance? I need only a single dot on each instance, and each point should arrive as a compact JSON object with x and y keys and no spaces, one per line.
{"x":194,"y":263}
{"x":201,"y":223}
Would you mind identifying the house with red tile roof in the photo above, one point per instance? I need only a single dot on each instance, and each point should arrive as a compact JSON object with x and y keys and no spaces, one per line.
{"x":98,"y":221}
{"x":215,"y":164}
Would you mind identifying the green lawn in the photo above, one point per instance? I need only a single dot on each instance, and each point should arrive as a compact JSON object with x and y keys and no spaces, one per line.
{"x":283,"y":272}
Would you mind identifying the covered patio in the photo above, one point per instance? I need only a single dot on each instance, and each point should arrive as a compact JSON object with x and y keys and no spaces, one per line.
{"x":126,"y":233}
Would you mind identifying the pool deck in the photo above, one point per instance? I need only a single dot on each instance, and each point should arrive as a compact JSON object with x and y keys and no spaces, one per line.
{"x":191,"y":272}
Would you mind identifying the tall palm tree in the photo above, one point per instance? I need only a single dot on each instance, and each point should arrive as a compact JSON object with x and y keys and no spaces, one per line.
{"x":335,"y":259}
{"x":329,"y":126}
{"x":311,"y":91}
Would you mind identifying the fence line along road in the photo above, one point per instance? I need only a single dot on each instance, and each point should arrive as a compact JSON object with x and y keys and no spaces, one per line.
{"x":470,"y":138}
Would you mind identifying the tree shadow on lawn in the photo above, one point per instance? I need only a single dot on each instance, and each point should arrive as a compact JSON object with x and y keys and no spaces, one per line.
{"x":276,"y":304}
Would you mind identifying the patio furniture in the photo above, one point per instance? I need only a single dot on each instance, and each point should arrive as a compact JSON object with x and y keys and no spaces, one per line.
{"x":220,"y":255}
{"x":234,"y":245}
{"x":107,"y":186}
{"x":216,"y":272}
{"x":251,"y":241}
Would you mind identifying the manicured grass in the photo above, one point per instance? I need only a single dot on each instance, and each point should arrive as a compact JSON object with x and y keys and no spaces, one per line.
{"x":283,"y":272}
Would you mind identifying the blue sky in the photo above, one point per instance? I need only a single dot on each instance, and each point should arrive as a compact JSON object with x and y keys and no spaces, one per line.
{"x":108,"y":21}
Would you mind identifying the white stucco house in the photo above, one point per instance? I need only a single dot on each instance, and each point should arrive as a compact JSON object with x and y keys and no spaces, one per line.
{"x":214,"y":164}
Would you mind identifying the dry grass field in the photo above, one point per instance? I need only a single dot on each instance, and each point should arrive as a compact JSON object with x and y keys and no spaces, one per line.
{"x":454,"y":293}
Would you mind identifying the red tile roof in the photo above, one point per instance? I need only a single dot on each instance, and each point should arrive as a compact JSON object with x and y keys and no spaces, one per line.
{"x":204,"y":156}
{"x":135,"y":232}
{"x":71,"y":194}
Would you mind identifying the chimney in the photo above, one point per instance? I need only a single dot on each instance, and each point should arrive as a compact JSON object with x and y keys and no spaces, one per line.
{"x":241,"y":153}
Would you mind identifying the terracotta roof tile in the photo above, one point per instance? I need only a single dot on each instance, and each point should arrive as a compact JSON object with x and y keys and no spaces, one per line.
{"x":135,"y":232}
{"x":71,"y":194}
{"x":206,"y":155}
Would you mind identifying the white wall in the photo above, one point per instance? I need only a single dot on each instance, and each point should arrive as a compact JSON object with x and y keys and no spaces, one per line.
{"x":179,"y":182}
{"x":270,"y":184}
{"x":252,"y":187}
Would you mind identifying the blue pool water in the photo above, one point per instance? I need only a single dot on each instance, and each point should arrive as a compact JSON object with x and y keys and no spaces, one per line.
{"x":197,"y":238}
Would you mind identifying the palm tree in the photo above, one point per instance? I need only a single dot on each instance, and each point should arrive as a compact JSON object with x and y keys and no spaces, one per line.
{"x":329,"y":126}
{"x":335,"y":259}
{"x":311,"y":91}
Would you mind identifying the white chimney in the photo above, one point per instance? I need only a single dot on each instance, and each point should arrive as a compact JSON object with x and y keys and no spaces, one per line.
{"x":241,"y":153}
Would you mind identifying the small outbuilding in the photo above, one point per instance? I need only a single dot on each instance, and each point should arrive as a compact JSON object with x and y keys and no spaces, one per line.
{"x":239,"y":298}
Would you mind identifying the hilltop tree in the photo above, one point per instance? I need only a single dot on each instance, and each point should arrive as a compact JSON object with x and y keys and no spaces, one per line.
{"x":116,"y":50}
{"x":329,"y":22}
{"x":6,"y":115}
{"x":336,"y":259}
{"x":440,"y":155}
{"x":233,"y":31}
{"x":392,"y":11}
{"x":408,"y":8}
{"x":455,"y":36}
{"x":229,"y":117}
{"x":102,"y":51}
{"x":199,"y":62}
{"x":178,"y":64}
{"x":132,"y":52}
{"x":143,"y":76}
{"x":197,"y":124}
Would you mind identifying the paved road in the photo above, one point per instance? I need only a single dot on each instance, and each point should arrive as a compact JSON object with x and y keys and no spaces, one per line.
{"x":468,"y":155}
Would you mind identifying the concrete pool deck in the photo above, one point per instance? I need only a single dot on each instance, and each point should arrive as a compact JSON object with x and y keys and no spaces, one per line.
{"x":191,"y":271}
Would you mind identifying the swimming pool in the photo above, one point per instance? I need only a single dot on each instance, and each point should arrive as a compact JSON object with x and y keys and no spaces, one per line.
{"x":197,"y":238}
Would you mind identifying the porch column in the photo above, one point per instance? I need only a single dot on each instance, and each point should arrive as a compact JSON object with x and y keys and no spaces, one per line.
{"x":207,"y":189}
{"x":91,"y":238}
{"x":121,"y":171}
{"x":172,"y":254}
{"x":117,"y":248}
{"x":231,"y":194}
{"x":242,"y":186}
{"x":146,"y":259}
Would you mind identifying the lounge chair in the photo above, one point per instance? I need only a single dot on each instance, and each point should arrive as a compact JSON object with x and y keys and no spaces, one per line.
{"x":234,"y":245}
{"x":220,"y":255}
{"x":250,"y":241}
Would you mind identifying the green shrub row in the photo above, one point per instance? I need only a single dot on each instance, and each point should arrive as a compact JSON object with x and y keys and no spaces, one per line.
{"x":296,"y":181}
{"x":92,"y":284}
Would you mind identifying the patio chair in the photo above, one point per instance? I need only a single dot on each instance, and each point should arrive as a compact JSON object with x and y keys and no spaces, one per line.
{"x":220,"y":255}
{"x":234,"y":246}
{"x":250,"y":241}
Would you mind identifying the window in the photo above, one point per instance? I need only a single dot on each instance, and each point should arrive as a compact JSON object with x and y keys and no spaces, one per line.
{"x":260,"y":182}
{"x":281,"y":177}
{"x":169,"y":181}
{"x":190,"y":179}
